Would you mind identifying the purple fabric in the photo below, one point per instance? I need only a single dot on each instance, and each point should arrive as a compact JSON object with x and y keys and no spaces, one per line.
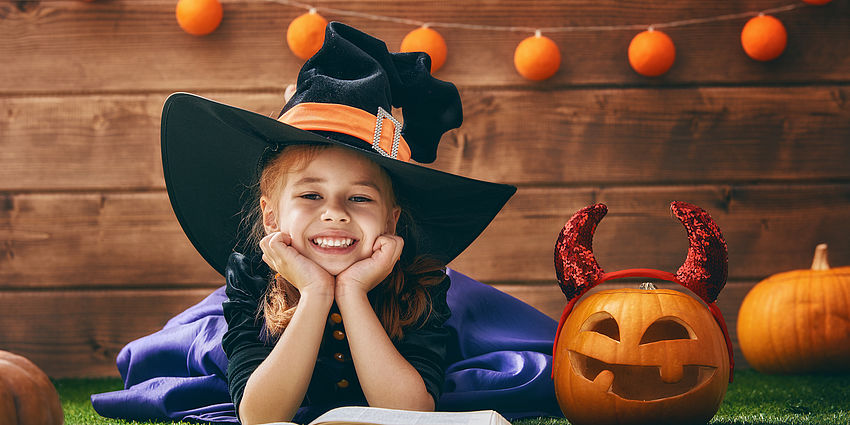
{"x":497,"y":359}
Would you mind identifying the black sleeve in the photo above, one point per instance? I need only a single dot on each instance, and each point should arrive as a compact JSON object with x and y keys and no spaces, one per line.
{"x":241,"y":342}
{"x":424,"y":344}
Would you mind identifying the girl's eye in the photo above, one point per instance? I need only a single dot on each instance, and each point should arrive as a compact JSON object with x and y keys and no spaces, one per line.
{"x":359,"y":199}
{"x":311,"y":196}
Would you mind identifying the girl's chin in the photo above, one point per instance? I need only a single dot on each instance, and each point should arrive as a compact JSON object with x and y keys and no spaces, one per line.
{"x":334,"y":267}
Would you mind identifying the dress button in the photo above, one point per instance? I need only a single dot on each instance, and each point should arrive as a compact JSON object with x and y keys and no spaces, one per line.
{"x":339,"y":357}
{"x":342,"y":383}
{"x":336,"y":318}
{"x":339,"y":335}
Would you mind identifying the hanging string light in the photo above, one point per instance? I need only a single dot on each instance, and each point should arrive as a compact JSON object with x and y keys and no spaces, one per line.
{"x":537,"y":57}
{"x":651,"y":53}
{"x":306,"y":34}
{"x":425,"y":39}
{"x":763,"y":38}
{"x":199,"y":17}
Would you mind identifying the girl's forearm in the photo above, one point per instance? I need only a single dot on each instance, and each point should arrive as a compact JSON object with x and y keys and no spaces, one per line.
{"x":376,"y":358}
{"x":275,"y":390}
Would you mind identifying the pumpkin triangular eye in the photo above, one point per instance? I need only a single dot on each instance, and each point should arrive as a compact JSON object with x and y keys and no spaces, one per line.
{"x":666,"y":329}
{"x":603,"y":323}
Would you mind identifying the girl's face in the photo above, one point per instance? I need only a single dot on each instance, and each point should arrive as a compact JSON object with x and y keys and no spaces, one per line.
{"x":333,"y":208}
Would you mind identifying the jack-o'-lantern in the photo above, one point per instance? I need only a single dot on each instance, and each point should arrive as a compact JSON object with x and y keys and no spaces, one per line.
{"x":641,"y":356}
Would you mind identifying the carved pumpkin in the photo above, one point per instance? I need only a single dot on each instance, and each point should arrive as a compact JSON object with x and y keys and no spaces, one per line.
{"x":651,"y":356}
{"x":796,"y":321}
{"x":27,"y":397}
{"x":640,"y":356}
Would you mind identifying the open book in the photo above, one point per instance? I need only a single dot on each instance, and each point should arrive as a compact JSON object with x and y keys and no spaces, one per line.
{"x":355,"y":415}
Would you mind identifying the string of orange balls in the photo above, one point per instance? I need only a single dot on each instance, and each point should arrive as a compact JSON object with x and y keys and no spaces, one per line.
{"x":651,"y":52}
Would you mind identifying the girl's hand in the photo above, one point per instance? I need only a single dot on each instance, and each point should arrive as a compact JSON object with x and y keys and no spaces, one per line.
{"x":300,"y":271}
{"x":367,"y":273}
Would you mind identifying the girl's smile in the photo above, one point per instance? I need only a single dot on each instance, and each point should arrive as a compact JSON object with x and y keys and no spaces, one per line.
{"x":334,"y":208}
{"x":334,"y":243}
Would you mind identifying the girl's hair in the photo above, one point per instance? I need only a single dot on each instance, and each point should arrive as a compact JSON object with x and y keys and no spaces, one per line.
{"x":399,"y":301}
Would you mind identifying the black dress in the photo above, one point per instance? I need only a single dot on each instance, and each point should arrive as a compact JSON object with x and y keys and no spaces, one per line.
{"x":334,"y":382}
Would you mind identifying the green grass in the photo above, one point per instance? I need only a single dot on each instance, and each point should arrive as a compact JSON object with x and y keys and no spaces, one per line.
{"x":76,"y":401}
{"x":753,"y":399}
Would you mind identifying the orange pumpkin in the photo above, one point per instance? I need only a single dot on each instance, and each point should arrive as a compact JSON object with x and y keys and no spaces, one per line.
{"x":635,"y":356}
{"x":645,"y":356}
{"x":27,"y":397}
{"x":796,"y":321}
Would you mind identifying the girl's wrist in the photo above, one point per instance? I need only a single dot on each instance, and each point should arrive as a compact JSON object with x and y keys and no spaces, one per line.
{"x":320,"y":295}
{"x":348,"y":293}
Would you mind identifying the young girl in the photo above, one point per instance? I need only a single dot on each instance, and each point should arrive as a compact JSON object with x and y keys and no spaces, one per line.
{"x":329,"y":216}
{"x":338,"y":294}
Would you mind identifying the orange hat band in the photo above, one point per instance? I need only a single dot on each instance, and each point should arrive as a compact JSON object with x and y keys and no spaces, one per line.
{"x":353,"y":122}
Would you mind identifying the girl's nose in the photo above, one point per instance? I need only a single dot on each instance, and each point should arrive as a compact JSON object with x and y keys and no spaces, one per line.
{"x":335,"y":212}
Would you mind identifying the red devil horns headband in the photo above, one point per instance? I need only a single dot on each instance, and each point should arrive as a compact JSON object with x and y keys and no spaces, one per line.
{"x":704,"y":271}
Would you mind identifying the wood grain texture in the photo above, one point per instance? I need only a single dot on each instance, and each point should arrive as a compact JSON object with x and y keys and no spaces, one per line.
{"x":562,"y":137}
{"x":131,"y":45}
{"x":768,"y":229}
{"x":132,"y":239}
{"x":634,"y":136}
{"x":72,"y":239}
{"x":80,"y":333}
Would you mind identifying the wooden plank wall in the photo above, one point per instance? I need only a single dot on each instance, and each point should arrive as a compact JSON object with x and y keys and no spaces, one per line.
{"x":92,"y":256}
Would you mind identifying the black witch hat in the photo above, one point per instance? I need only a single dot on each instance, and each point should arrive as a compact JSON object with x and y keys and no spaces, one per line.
{"x":211,"y":151}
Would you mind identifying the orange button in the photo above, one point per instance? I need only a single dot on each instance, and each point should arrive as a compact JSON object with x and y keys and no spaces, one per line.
{"x":339,"y":357}
{"x":336,"y":318}
{"x":339,"y":335}
{"x":342,"y":383}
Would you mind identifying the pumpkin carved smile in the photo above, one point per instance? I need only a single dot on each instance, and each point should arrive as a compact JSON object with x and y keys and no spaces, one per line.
{"x":641,"y":383}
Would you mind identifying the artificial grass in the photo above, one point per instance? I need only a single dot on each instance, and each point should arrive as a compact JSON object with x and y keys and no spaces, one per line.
{"x":753,"y":399}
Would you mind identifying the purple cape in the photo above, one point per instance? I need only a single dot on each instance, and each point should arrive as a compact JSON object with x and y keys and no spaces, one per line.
{"x":499,"y":358}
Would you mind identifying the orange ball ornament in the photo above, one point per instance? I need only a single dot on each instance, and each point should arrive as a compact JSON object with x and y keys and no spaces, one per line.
{"x":651,"y":53}
{"x":537,"y":58}
{"x":426,"y":40}
{"x":764,"y":38}
{"x":199,"y":17}
{"x":306,"y":34}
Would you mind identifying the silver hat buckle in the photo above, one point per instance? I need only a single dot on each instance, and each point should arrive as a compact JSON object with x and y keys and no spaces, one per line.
{"x":376,"y":140}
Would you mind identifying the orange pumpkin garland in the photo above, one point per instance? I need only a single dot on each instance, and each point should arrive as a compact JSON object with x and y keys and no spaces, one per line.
{"x":537,"y":57}
{"x":199,"y":17}
{"x":425,"y":39}
{"x":306,"y":34}
{"x":651,"y":53}
{"x":764,"y":38}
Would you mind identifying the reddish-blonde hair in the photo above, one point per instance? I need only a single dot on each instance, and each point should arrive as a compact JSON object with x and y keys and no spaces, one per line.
{"x":399,"y":301}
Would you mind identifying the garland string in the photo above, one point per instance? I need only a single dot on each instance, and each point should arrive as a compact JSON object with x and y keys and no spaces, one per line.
{"x":474,"y":27}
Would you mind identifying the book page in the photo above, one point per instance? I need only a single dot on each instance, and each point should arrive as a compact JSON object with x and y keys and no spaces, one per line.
{"x":378,"y":416}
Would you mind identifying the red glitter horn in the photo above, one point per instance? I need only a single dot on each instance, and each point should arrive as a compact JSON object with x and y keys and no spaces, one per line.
{"x":704,"y":271}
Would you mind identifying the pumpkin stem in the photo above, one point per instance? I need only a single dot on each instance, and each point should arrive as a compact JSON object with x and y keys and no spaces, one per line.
{"x":647,"y":286}
{"x":819,"y":262}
